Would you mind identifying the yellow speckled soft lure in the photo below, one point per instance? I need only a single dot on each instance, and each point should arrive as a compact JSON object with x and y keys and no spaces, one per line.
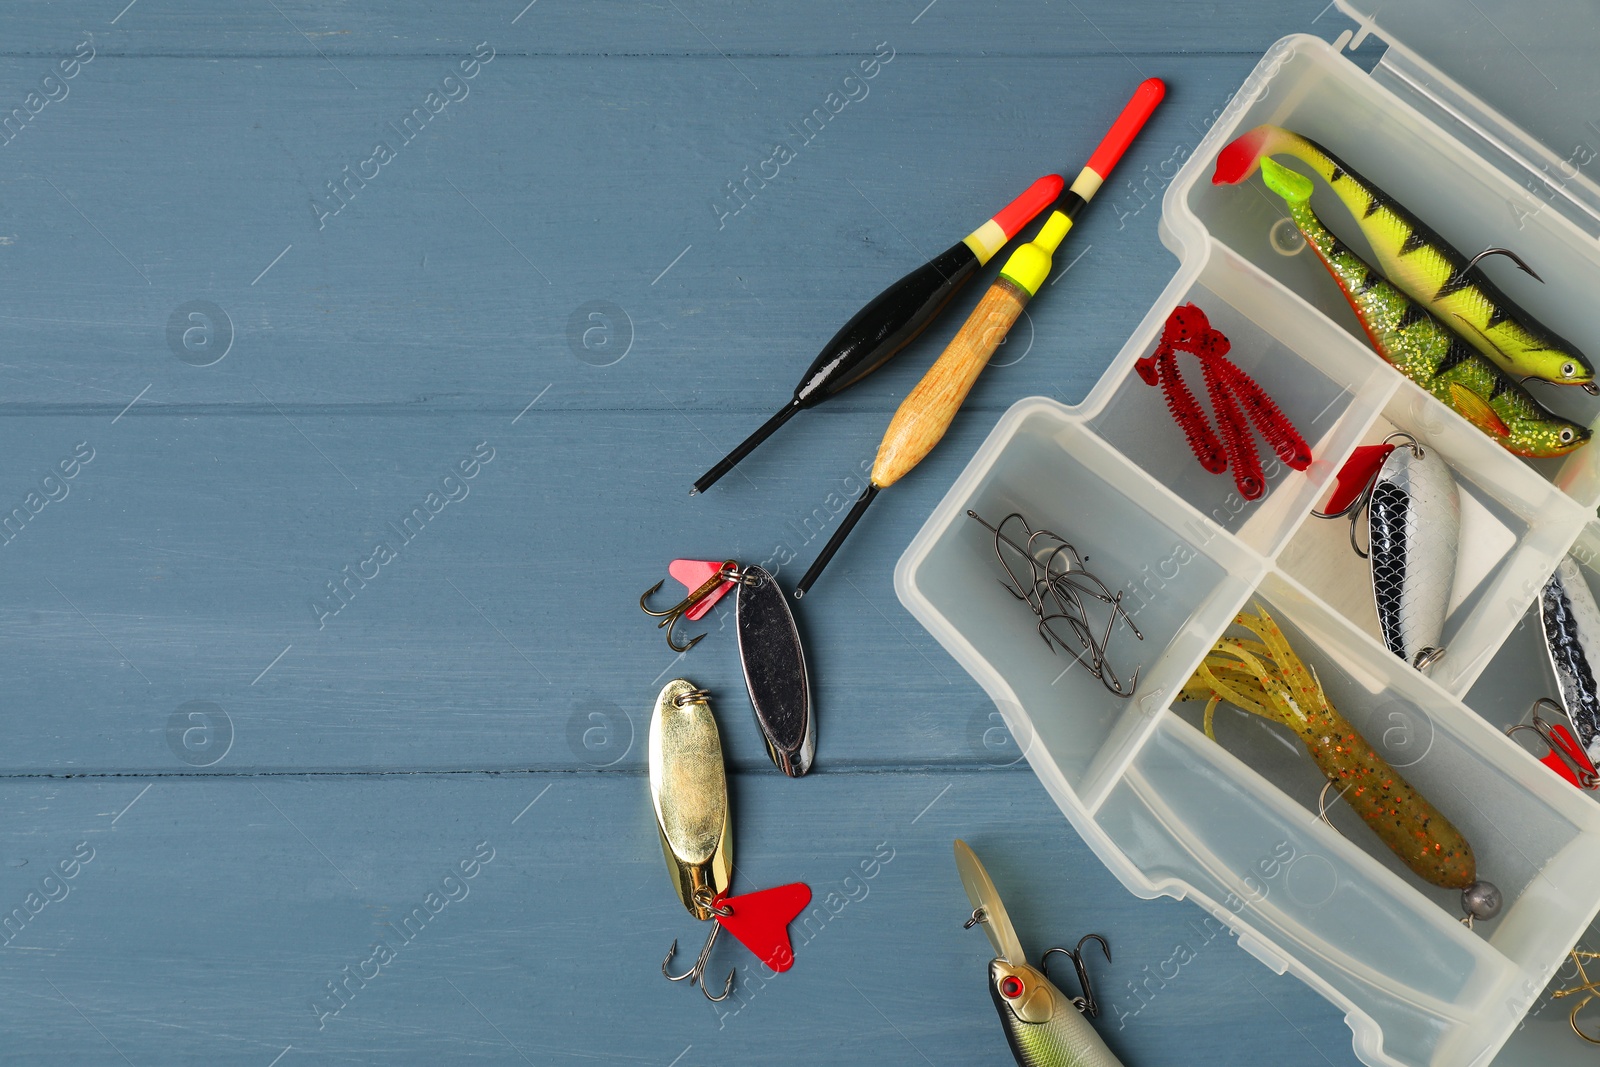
{"x":1264,"y":677}
{"x":1422,"y":263}
{"x":1421,"y":347}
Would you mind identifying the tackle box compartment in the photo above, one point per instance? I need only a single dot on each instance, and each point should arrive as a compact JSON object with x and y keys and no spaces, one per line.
{"x":1232,"y":823}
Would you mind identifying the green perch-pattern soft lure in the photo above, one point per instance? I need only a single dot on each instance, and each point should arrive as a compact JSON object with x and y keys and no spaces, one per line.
{"x":1422,"y":263}
{"x":1423,"y":348}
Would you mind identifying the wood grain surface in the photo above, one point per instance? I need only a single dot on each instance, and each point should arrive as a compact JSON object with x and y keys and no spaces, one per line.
{"x":923,"y":418}
{"x":383,"y":342}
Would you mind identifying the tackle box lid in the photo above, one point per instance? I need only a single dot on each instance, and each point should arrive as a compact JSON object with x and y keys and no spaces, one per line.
{"x":1514,"y":77}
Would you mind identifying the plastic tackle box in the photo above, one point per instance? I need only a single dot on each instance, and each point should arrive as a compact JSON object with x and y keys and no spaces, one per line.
{"x":1231,"y":823}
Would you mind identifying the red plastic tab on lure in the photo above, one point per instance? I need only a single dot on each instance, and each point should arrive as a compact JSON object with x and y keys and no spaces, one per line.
{"x":1354,"y":477}
{"x":1560,"y":735}
{"x":760,"y":921}
{"x":694,"y":573}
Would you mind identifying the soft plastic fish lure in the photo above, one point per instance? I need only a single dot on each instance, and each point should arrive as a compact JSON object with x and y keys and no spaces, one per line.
{"x":1421,"y":347}
{"x":1423,"y":264}
{"x":1264,"y":677}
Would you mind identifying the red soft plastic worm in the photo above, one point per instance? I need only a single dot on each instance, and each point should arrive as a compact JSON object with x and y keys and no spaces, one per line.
{"x":1188,"y":414}
{"x":1235,"y":433}
{"x":1270,"y":422}
{"x":1161,"y":368}
{"x":1237,"y":400}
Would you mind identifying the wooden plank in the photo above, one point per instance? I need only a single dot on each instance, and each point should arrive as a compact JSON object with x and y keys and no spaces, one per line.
{"x":191,"y":557}
{"x":190,"y":551}
{"x":326,"y":32}
{"x":158,"y":951}
{"x":458,"y":277}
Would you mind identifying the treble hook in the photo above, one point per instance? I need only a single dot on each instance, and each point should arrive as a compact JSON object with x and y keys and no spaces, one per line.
{"x":696,"y":974}
{"x":1085,"y":1003}
{"x":669,"y":618}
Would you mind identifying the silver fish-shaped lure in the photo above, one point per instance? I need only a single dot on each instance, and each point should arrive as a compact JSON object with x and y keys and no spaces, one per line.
{"x":1043,"y":1026}
{"x":1414,"y":529}
{"x":1571,"y":621}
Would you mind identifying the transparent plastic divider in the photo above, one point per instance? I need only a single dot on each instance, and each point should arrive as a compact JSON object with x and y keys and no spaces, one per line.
{"x":1544,"y":1037}
{"x":1187,"y":817}
{"x":1322,"y":381}
{"x":1159,"y":685}
{"x":1318,"y":93}
{"x":1040,"y":461}
{"x":1579,"y":474}
{"x":1555,"y":914}
{"x":1489,"y":626}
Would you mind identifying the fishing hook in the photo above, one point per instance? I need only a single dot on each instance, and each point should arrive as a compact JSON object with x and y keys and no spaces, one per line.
{"x":696,"y":975}
{"x":1055,"y":591}
{"x":1322,"y":804}
{"x":1586,"y":986}
{"x":1586,"y":778}
{"x":1085,"y":1003}
{"x":729,"y":571}
{"x":1589,"y":387}
{"x":1363,"y":501}
{"x":1512,"y":256}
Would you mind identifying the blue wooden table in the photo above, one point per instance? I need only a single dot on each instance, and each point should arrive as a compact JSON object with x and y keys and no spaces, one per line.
{"x":277,"y":279}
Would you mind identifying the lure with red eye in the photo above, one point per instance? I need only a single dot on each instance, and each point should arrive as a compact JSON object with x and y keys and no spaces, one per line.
{"x":1043,"y":1026}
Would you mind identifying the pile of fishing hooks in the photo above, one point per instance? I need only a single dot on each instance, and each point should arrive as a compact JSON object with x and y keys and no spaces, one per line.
{"x":1065,"y":597}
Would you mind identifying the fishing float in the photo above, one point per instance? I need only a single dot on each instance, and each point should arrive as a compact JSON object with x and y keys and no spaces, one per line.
{"x":893,"y":319}
{"x":927,"y":411}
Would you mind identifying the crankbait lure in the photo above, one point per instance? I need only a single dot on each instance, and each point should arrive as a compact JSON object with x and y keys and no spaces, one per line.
{"x":1424,"y":264}
{"x":1423,"y":348}
{"x":1260,"y":674}
{"x":689,"y":792}
{"x":893,"y":319}
{"x":1571,"y":623}
{"x":770,"y":652}
{"x":1043,"y":1026}
{"x":1413,"y":510}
